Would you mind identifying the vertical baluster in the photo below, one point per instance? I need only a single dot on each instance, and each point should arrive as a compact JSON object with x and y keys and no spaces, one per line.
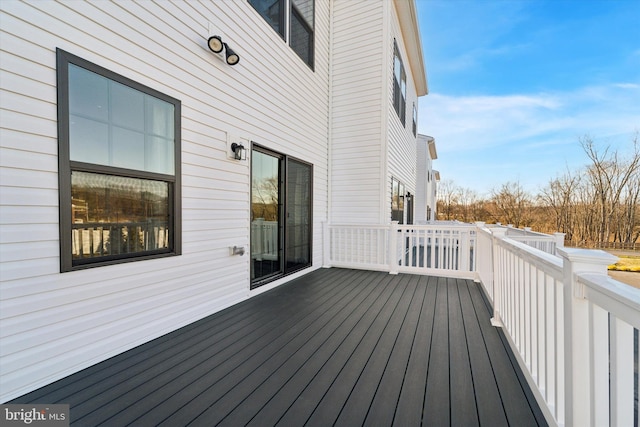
{"x":599,"y":365}
{"x":621,"y":362}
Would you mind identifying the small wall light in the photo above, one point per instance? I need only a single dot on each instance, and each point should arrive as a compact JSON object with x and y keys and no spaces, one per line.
{"x":216,"y":45}
{"x":239,"y":152}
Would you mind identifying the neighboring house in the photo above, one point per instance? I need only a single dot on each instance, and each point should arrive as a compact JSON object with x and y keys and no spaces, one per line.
{"x":426,"y":192}
{"x":138,"y":165}
{"x":372,"y":131}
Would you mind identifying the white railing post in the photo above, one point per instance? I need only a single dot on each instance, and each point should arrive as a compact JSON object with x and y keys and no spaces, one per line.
{"x":497,"y":234}
{"x":464,"y":250}
{"x":559,"y":239}
{"x":393,"y":248}
{"x":326,"y":245}
{"x":578,"y":379}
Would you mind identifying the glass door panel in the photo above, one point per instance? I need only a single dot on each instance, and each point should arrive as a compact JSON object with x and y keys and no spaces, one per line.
{"x":265,"y":215}
{"x":298,"y":212}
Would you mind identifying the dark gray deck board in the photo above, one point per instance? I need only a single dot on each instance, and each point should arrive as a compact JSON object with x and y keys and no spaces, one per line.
{"x":463,"y":404}
{"x":335,"y":347}
{"x":488,"y":399}
{"x":437,"y":410}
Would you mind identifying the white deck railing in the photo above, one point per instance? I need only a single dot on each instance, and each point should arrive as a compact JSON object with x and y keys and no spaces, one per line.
{"x":572,"y":328}
{"x":446,"y":250}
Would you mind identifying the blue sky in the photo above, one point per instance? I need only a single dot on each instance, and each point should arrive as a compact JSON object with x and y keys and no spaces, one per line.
{"x":514,"y":85}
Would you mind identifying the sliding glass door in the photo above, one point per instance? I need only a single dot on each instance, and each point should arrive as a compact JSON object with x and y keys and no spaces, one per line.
{"x":281,"y":198}
{"x":298,"y":221}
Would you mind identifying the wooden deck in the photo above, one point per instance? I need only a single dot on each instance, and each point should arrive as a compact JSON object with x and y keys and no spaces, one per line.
{"x":335,"y":347}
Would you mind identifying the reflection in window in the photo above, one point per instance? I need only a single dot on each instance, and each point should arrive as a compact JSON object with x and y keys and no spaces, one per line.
{"x":114,"y":215}
{"x":299,"y":20}
{"x":114,"y":125}
{"x":399,"y":85}
{"x":415,"y":120}
{"x":397,"y":201}
{"x":281,"y":204}
{"x":272,"y":11}
{"x":119,"y":170}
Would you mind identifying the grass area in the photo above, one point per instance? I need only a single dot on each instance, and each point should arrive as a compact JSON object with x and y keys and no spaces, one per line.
{"x":627,"y":263}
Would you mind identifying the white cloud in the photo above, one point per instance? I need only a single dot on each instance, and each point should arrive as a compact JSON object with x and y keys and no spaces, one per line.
{"x":527,"y":137}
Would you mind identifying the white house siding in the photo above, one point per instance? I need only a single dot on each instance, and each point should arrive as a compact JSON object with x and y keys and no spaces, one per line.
{"x":425,"y":185}
{"x":402,"y":154}
{"x":357,"y":111}
{"x":54,"y":324}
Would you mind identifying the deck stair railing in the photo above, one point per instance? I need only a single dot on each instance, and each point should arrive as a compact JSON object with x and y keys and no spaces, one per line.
{"x":573,"y":329}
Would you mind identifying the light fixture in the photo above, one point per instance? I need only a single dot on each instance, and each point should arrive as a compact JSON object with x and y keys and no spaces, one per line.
{"x":232,"y":57}
{"x":239,"y":152}
{"x":216,"y":45}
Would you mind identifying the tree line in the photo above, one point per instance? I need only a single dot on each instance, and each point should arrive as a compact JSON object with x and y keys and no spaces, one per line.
{"x":595,"y":205}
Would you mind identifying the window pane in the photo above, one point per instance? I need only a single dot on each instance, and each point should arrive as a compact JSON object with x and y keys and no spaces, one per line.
{"x":159,"y":155}
{"x":127,"y":107}
{"x":298,"y":216}
{"x":159,"y":117}
{"x":305,"y":9}
{"x":127,"y":149}
{"x":88,"y":94}
{"x":112,"y":124}
{"x":88,"y":140}
{"x":272,"y":12}
{"x":394,"y":194}
{"x":114,"y":215}
{"x":265,"y":215}
{"x":301,"y":39}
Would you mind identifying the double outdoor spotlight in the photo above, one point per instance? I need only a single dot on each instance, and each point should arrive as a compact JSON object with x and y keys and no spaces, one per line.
{"x":216,"y":45}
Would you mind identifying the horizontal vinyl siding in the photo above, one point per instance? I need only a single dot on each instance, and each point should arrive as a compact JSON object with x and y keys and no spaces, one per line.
{"x":53,"y":324}
{"x":357,"y":114}
{"x":401,"y":144}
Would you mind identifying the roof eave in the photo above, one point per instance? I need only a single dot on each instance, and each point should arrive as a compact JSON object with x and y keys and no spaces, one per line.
{"x":408,"y":16}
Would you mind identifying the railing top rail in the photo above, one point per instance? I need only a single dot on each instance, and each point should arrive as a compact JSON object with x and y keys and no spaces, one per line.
{"x":361,"y":226}
{"x":439,"y":226}
{"x":533,"y":238}
{"x":412,"y":226}
{"x":549,"y":262}
{"x":613,"y":296}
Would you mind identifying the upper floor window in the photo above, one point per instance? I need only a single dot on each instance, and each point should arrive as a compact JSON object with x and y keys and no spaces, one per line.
{"x":399,"y":85}
{"x":119,"y":167}
{"x":415,"y":120}
{"x":294,"y":21}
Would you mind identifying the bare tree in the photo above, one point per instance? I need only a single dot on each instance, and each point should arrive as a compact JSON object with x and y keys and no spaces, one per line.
{"x":513,"y":204}
{"x":610,"y":175}
{"x":447,"y":199}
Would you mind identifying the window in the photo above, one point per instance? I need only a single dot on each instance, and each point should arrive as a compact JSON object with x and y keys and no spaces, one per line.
{"x":397,"y":201}
{"x":281,"y":204}
{"x":415,"y":120}
{"x":299,"y":14}
{"x":119,"y":167}
{"x":399,"y":85}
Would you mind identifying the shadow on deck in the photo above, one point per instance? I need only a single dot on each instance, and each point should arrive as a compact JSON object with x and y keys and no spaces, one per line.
{"x":335,"y":347}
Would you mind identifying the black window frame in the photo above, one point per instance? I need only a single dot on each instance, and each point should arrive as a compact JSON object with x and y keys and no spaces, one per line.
{"x":66,"y":166}
{"x":286,"y":20}
{"x":399,"y":86}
